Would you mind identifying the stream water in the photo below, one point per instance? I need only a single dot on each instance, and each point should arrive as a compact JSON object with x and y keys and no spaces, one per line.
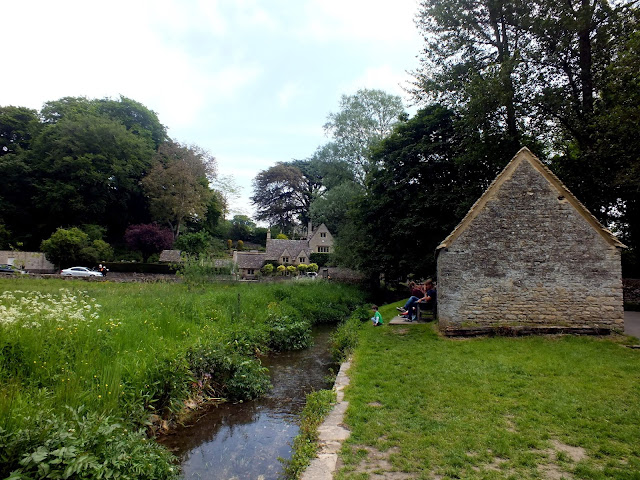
{"x":243,"y":441}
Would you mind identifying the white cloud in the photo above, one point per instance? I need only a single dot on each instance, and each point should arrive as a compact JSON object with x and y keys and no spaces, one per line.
{"x":288,"y":93}
{"x":360,"y":20}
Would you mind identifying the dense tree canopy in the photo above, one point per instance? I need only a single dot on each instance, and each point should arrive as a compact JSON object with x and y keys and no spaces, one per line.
{"x":81,"y":162}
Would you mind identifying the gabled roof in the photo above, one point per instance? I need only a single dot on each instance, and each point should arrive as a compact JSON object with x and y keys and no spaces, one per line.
{"x":316,"y":230}
{"x":525,"y":155}
{"x":250,"y":260}
{"x":275,"y":247}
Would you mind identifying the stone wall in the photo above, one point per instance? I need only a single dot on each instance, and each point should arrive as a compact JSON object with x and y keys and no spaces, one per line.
{"x":33,"y":261}
{"x":529,"y":257}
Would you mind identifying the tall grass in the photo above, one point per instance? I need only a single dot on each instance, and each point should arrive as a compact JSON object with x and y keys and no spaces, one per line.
{"x":98,"y":354}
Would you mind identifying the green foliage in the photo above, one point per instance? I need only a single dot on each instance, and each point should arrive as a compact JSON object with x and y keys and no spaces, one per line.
{"x":305,"y":444}
{"x":302,"y":268}
{"x":281,"y":269}
{"x":201,"y":269}
{"x":193,"y":243}
{"x":364,"y":119}
{"x":345,"y":339}
{"x":282,"y":236}
{"x":267,"y":269}
{"x":292,"y":270}
{"x":313,"y":267}
{"x":66,"y":247}
{"x":127,"y":351}
{"x":320,"y":259}
{"x":84,"y":445}
{"x":240,"y":245}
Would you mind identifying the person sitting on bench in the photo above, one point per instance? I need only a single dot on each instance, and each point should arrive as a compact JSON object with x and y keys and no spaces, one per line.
{"x":416,"y":293}
{"x":429,"y":298}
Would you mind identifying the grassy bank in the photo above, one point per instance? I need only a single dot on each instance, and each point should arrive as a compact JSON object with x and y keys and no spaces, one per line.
{"x":491,"y":408}
{"x":83,"y":366}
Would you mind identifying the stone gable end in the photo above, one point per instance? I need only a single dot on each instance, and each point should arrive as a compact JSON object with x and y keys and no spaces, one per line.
{"x":529,"y":257}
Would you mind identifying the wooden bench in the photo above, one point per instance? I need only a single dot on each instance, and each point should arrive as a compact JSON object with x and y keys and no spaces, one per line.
{"x":426,"y":311}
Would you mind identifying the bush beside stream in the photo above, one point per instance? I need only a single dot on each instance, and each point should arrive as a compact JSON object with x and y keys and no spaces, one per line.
{"x":83,"y":366}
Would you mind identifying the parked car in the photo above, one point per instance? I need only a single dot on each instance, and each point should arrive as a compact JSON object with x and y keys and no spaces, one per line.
{"x":312,"y":274}
{"x":79,"y":272}
{"x":6,"y":268}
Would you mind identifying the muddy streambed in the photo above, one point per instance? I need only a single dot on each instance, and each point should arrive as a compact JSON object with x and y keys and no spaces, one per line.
{"x":244,"y":440}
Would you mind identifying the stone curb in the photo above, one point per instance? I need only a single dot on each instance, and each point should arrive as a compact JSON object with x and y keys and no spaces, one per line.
{"x":331,"y":433}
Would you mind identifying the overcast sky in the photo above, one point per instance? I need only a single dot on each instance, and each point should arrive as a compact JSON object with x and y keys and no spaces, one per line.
{"x":251,"y":81}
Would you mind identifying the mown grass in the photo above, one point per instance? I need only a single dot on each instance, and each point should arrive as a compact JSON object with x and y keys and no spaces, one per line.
{"x":491,"y":408}
{"x":84,"y":357}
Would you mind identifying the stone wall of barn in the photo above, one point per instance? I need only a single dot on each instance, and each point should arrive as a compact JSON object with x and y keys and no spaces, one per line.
{"x":529,"y":258}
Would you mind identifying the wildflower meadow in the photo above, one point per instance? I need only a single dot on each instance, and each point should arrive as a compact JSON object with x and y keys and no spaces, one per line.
{"x":85,"y":366}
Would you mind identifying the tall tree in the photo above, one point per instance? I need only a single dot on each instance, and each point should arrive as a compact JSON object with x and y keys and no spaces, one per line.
{"x":178,"y":185}
{"x":411,"y":200}
{"x":282,"y":195}
{"x":363,"y":120}
{"x":87,"y":169}
{"x":472,"y":60}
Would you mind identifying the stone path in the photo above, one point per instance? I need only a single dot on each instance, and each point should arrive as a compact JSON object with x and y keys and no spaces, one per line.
{"x":331,"y":433}
{"x":398,"y":320}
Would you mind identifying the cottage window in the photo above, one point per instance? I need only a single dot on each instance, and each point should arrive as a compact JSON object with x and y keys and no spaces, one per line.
{"x":323,"y":249}
{"x":323,"y":234}
{"x":285,"y":259}
{"x":302,"y":259}
{"x":250,"y":271}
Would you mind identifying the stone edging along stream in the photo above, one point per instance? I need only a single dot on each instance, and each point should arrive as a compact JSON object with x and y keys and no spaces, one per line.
{"x":331,"y":433}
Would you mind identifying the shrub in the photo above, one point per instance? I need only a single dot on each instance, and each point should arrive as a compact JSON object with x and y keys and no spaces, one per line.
{"x":267,"y":269}
{"x":193,"y":243}
{"x":281,"y":269}
{"x":65,"y":247}
{"x":292,"y":270}
{"x":82,"y":445}
{"x":345,"y":339}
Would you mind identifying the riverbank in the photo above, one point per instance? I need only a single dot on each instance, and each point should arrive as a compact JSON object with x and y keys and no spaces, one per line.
{"x":97,"y":360}
{"x":422,"y":406}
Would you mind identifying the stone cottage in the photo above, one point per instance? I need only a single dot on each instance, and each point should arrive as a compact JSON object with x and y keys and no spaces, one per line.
{"x":285,"y":252}
{"x":529,"y":256}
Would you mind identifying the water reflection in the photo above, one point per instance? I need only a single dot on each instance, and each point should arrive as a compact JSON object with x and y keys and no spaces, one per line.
{"x":244,"y":441}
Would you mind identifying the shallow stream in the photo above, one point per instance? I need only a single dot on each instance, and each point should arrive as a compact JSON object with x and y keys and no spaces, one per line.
{"x":243,"y":441}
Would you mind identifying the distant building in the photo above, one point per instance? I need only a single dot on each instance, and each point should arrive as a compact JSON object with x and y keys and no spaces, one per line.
{"x":284,"y":252}
{"x":528,"y":253}
{"x":32,"y":262}
{"x":170,"y":256}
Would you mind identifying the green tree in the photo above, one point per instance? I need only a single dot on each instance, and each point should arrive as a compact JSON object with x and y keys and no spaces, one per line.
{"x":242,"y":228}
{"x":281,"y":195}
{"x":193,"y":243}
{"x":267,"y":269}
{"x":363,"y":120}
{"x":178,"y":185}
{"x":65,"y":247}
{"x":413,"y":194}
{"x":240,"y":245}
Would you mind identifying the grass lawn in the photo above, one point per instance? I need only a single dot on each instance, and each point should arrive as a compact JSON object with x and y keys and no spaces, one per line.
{"x":426,"y":407}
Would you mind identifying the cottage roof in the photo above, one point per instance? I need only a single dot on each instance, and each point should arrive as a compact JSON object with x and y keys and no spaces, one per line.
{"x":525,"y":155}
{"x":276,"y":247}
{"x":250,"y":260}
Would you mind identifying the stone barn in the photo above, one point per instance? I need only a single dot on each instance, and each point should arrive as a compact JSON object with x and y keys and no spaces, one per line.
{"x":529,"y":257}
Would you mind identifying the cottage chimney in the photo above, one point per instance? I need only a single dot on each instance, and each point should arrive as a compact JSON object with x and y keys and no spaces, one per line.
{"x":269,"y":233}
{"x":309,"y":230}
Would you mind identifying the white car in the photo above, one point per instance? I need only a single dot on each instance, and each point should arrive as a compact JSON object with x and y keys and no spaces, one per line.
{"x":312,"y":275}
{"x":79,"y":272}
